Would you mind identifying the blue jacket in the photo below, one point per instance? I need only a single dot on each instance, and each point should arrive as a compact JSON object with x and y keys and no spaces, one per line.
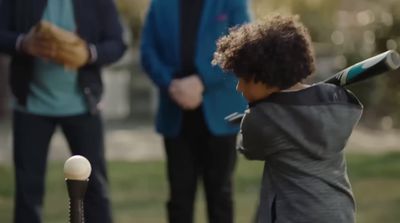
{"x":97,"y":23}
{"x":161,"y":60}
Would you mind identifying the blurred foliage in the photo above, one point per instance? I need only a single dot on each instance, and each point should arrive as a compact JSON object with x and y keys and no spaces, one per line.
{"x":133,"y":13}
{"x":344,"y":32}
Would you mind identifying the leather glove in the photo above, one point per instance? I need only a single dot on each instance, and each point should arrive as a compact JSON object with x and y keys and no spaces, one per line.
{"x":37,"y":46}
{"x":71,"y":50}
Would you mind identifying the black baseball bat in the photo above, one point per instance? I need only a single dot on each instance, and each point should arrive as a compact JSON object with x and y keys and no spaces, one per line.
{"x":376,"y":65}
{"x":379,"y":64}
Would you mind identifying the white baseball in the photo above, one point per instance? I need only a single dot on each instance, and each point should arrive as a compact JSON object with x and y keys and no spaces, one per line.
{"x":77,"y":168}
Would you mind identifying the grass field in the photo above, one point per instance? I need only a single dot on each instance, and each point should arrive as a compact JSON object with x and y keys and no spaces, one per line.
{"x":139,"y":191}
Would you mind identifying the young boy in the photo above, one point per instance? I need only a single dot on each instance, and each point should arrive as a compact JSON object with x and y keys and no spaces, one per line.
{"x":299,"y":130}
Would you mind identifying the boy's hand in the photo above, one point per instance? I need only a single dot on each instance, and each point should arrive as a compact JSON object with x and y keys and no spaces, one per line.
{"x":187,"y":92}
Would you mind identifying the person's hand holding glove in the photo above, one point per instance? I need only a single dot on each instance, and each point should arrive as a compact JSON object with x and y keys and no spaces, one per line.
{"x":67,"y":48}
{"x":37,"y":46}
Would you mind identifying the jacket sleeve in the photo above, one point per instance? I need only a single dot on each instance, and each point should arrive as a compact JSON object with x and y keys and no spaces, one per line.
{"x":158,"y":71}
{"x":239,"y":12}
{"x":111,"y":45}
{"x":8,"y":38}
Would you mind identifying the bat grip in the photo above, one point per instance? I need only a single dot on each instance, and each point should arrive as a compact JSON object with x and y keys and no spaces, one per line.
{"x":76,"y":213}
{"x":234,"y":118}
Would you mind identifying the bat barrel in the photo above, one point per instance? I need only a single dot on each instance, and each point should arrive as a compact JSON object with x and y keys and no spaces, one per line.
{"x":393,"y":60}
{"x":379,"y":64}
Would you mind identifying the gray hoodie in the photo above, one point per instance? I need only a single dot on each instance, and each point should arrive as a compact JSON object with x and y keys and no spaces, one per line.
{"x":301,"y":136}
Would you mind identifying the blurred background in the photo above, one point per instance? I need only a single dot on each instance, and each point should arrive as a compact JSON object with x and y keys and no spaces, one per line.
{"x":343,"y":32}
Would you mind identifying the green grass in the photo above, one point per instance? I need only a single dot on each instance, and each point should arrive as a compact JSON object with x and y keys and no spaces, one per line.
{"x":139,"y":190}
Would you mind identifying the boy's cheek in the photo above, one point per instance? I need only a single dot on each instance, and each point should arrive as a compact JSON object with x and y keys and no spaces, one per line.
{"x":249,"y":98}
{"x":242,"y":92}
{"x":245,"y":97}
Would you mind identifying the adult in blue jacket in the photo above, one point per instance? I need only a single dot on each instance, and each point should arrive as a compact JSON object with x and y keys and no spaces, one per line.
{"x":178,"y":43}
{"x":48,"y":95}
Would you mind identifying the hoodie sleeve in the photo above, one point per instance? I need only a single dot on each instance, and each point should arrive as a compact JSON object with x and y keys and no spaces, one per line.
{"x":260,"y":137}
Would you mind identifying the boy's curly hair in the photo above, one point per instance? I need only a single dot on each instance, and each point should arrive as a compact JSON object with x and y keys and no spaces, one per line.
{"x":275,"y":51}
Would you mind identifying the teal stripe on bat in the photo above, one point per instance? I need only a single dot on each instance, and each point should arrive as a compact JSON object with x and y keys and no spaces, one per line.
{"x":354,"y":71}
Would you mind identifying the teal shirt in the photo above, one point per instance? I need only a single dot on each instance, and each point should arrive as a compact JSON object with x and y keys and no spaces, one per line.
{"x":54,"y":90}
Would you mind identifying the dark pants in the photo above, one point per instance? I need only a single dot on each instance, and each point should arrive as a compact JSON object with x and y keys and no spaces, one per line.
{"x":197,"y":153}
{"x":32,"y":134}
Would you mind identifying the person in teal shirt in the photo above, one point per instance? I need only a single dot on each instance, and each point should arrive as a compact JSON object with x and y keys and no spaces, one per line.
{"x":177,"y":47}
{"x":47,"y":94}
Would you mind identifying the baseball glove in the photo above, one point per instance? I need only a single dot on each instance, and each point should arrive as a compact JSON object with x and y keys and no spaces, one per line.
{"x":71,"y":50}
